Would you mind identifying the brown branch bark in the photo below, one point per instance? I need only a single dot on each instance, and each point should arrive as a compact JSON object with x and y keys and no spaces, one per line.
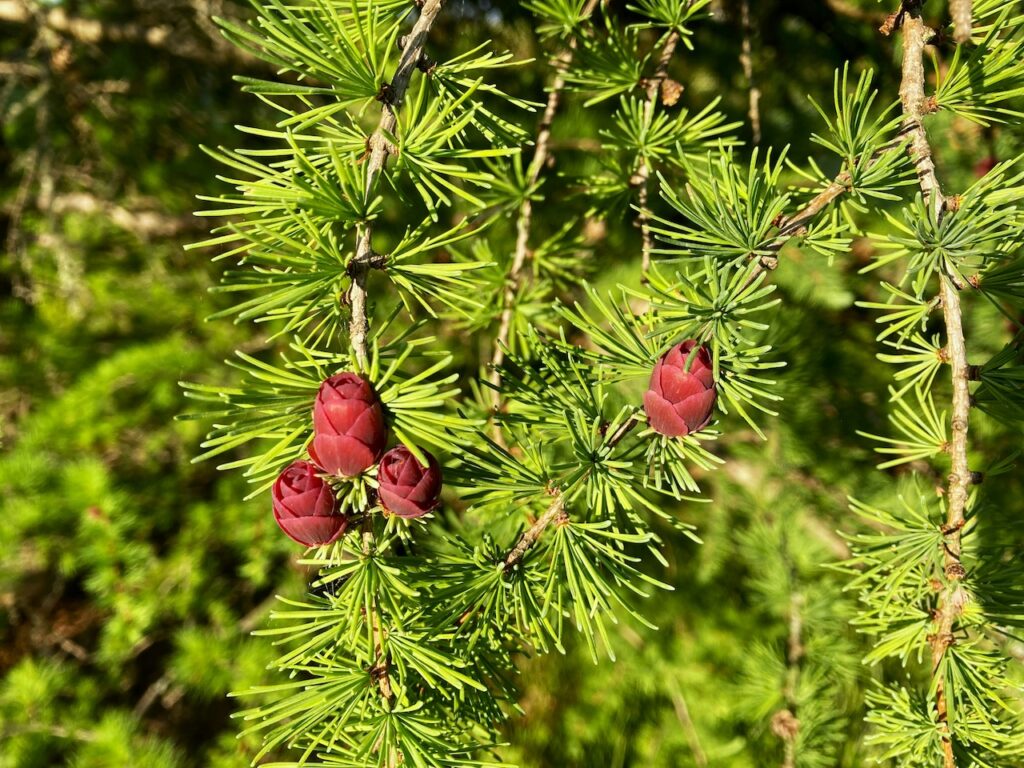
{"x":792,"y":226}
{"x":961,"y":12}
{"x":747,"y":62}
{"x":642,"y":177}
{"x":96,"y":32}
{"x":555,"y":512}
{"x":541,"y":154}
{"x":379,"y":148}
{"x":380,"y":672}
{"x":952,"y":598}
{"x":912,"y":97}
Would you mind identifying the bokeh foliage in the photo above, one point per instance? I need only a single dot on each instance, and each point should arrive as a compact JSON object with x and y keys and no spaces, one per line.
{"x":129,"y":573}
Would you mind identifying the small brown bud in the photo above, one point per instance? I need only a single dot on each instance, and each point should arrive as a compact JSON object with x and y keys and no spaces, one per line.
{"x":670,"y":92}
{"x":785,"y":725}
{"x":891,"y":23}
{"x":386,"y":94}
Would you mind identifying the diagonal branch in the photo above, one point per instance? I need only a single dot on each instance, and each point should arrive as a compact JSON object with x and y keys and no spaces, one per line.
{"x":378,"y":148}
{"x":95,"y":32}
{"x":541,"y":155}
{"x":797,"y":224}
{"x":556,"y":513}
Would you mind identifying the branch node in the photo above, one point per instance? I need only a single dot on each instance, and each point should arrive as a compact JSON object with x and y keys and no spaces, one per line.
{"x":386,"y":94}
{"x":950,"y":529}
{"x":785,"y":725}
{"x":955,"y":571}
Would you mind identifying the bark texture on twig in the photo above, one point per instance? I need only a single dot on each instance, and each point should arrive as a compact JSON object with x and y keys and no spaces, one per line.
{"x":554,"y":513}
{"x":524,"y":222}
{"x":795,"y":225}
{"x":952,"y":597}
{"x":95,"y":32}
{"x":378,"y":149}
{"x":962,"y":13}
{"x":747,"y":61}
{"x":642,"y":177}
{"x":916,"y":35}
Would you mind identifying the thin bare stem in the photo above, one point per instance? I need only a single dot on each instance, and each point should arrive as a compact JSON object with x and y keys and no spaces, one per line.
{"x":380,"y":671}
{"x":961,"y":12}
{"x":916,"y":35}
{"x":555,"y":512}
{"x":953,"y":597}
{"x":792,"y":226}
{"x":524,"y":223}
{"x":747,"y":61}
{"x":642,"y":177}
{"x":378,"y":148}
{"x":683,"y":715}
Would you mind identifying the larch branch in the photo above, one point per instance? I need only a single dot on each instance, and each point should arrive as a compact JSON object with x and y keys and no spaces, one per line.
{"x":524,"y":222}
{"x":556,"y":513}
{"x":642,"y":177}
{"x":797,"y":224}
{"x":378,"y":149}
{"x":952,"y":598}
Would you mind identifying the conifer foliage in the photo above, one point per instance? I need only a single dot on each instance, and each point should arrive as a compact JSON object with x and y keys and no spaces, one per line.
{"x":455,"y":526}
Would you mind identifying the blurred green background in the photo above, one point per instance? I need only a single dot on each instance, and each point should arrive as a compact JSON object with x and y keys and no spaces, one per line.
{"x":129,"y":577}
